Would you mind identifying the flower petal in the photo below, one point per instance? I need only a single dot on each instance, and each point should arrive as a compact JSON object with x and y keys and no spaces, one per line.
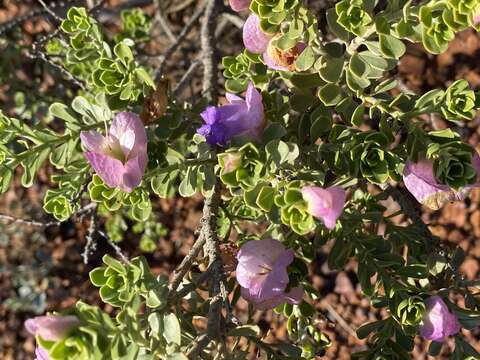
{"x":420,"y":181}
{"x":294,"y":296}
{"x":134,"y":170}
{"x":110,"y":170}
{"x":272,"y":64}
{"x":130,"y":132}
{"x":438,"y":322}
{"x":41,"y":354}
{"x":254,"y":39}
{"x":239,"y":5}
{"x":92,"y":140}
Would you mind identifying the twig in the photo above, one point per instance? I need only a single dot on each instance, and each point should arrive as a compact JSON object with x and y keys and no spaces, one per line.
{"x":160,"y":19}
{"x":212,"y":248}
{"x":50,"y":11}
{"x":15,"y":220}
{"x":91,"y":244}
{"x":207,"y":37}
{"x":200,"y":343}
{"x":234,"y":19}
{"x":186,"y":78}
{"x":339,"y":319}
{"x":169,"y":52}
{"x":117,"y":249}
{"x":40,"y":55}
{"x":186,"y":264}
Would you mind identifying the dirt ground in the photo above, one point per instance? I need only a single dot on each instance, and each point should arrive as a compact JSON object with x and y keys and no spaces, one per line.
{"x":42,"y":269}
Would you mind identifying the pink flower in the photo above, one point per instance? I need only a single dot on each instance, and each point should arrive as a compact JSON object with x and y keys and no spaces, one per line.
{"x":324,"y":204}
{"x":41,"y":354}
{"x":51,"y":327}
{"x":120,"y":158}
{"x":438,"y":322}
{"x":239,"y":117}
{"x":239,"y":5}
{"x":258,"y":42}
{"x":420,"y":181}
{"x":262,"y":274}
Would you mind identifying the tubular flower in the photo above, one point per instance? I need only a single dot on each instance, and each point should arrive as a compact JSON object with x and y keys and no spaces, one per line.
{"x":420,"y":180}
{"x":258,"y":42}
{"x":120,"y":158}
{"x":50,"y":328}
{"x":239,"y":5}
{"x":262,"y":274}
{"x":438,"y":322}
{"x":239,"y":117}
{"x":325,"y":204}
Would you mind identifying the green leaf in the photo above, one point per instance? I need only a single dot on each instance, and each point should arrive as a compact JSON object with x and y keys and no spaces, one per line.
{"x":366,"y":329}
{"x":330,"y":94}
{"x":97,"y":276}
{"x":357,"y":117}
{"x":358,"y":66}
{"x":265,"y":198}
{"x":330,"y":68}
{"x":306,"y":59}
{"x":245,"y":331}
{"x":391,"y":47}
{"x":172,"y":331}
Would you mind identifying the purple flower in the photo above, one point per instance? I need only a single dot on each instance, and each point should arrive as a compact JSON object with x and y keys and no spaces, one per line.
{"x":258,"y":42}
{"x":420,"y":181}
{"x":120,"y":158}
{"x":324,"y":204}
{"x":262,"y":274}
{"x":51,"y":327}
{"x":239,"y":5}
{"x":238,"y":117}
{"x":438,"y":322}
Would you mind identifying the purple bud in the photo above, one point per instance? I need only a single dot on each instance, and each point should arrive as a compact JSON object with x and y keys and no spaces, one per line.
{"x":120,"y":158}
{"x":240,"y":117}
{"x":438,"y":322}
{"x":51,"y":327}
{"x":325,"y":204}
{"x":262,"y":274}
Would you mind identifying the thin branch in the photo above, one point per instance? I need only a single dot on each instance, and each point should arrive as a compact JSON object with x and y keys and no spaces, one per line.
{"x":198,"y":345}
{"x":209,"y":55}
{"x":40,"y":55}
{"x":183,"y":34}
{"x":14,"y":220}
{"x":341,"y":321}
{"x":186,"y":264}
{"x":50,"y":11}
{"x":160,"y":19}
{"x":212,"y":249}
{"x":115,"y":247}
{"x":91,"y":244}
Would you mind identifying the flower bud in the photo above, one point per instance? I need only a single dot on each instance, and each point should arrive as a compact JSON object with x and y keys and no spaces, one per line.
{"x":230,"y":161}
{"x":324,"y":204}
